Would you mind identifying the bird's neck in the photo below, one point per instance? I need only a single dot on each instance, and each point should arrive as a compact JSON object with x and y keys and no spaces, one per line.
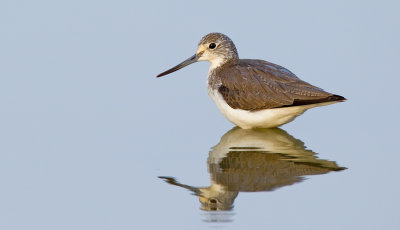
{"x":213,"y":78}
{"x":219,"y":63}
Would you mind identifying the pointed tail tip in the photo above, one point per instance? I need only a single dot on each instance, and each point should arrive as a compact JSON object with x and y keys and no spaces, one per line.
{"x":337,"y":98}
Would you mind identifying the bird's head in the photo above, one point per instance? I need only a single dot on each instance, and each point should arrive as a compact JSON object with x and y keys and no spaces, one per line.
{"x":215,"y":48}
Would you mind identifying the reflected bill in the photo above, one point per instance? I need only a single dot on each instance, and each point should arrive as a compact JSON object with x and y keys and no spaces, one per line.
{"x":254,"y":161}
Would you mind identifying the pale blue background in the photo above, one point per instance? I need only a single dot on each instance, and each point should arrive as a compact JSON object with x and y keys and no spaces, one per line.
{"x":86,"y":128}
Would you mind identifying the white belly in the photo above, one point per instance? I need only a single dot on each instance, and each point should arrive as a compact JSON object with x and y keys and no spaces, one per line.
{"x":267,"y":118}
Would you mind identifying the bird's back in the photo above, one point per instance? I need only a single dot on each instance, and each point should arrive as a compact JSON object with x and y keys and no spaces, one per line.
{"x":256,"y":85}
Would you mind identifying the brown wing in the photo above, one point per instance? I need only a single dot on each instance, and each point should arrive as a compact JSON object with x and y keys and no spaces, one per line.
{"x":257,"y":84}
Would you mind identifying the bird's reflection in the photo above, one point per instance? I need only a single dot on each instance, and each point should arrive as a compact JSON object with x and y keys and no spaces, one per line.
{"x":254,"y":161}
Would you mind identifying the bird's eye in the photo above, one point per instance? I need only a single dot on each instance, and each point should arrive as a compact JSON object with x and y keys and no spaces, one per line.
{"x":212,"y":46}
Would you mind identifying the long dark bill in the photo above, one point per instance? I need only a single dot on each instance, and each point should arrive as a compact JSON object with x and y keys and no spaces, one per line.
{"x":188,"y":61}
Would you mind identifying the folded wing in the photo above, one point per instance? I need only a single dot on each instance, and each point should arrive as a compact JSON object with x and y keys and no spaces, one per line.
{"x":256,"y":84}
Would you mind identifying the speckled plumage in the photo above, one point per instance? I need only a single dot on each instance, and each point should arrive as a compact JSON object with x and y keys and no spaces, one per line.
{"x":226,"y":48}
{"x":256,"y":84}
{"x":254,"y":93}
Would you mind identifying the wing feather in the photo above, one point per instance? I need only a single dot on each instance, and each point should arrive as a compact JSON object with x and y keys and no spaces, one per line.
{"x":256,"y":84}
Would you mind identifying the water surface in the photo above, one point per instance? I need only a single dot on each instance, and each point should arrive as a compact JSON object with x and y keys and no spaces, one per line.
{"x":90,"y":139}
{"x":261,"y":160}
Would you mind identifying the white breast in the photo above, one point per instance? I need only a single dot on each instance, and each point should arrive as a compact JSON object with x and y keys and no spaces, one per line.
{"x":267,"y":118}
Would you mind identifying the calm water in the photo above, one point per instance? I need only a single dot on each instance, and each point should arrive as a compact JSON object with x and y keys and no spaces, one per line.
{"x":90,"y":139}
{"x":254,"y":161}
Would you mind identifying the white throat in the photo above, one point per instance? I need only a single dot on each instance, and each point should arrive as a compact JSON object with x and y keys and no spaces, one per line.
{"x":216,"y":62}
